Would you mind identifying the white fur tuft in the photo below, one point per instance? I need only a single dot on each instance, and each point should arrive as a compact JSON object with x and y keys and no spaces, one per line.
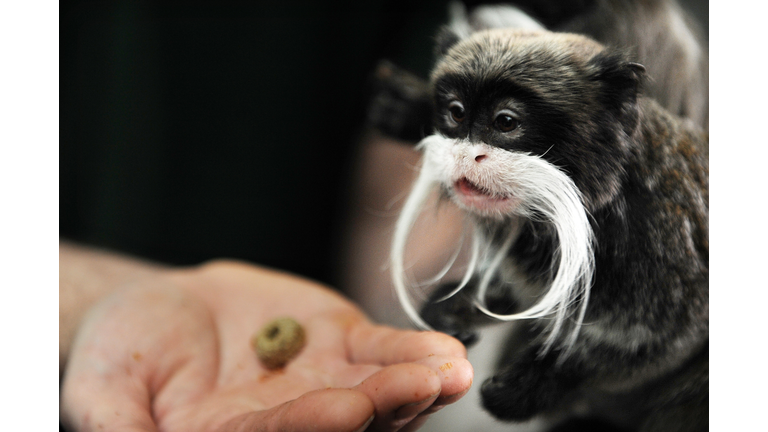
{"x":537,"y":189}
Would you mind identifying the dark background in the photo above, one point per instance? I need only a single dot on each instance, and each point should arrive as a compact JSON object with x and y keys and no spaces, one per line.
{"x":195,"y":130}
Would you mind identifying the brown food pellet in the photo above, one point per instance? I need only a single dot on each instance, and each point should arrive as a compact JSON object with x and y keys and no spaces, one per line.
{"x":278,"y":342}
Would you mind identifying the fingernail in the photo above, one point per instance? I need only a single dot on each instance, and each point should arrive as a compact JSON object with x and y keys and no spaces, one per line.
{"x":412,"y":409}
{"x":444,"y":402}
{"x":366,"y":424}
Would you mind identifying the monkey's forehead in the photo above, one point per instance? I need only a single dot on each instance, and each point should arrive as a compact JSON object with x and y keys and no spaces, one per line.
{"x":500,"y":50}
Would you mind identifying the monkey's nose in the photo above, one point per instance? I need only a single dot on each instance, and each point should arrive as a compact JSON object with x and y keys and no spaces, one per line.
{"x":479,"y":158}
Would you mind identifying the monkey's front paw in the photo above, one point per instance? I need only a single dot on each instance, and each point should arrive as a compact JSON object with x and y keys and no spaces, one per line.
{"x":450,"y":324}
{"x":510,"y":401}
{"x":528,"y":387}
{"x":453,"y":316}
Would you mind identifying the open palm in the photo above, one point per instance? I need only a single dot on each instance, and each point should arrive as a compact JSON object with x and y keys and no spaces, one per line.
{"x":173,"y":354}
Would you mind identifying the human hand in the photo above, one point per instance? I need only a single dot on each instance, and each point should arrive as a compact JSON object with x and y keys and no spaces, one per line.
{"x":174,"y":354}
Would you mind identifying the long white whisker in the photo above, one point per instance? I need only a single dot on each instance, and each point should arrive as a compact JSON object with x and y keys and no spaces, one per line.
{"x":423,"y":187}
{"x":473,"y":259}
{"x":447,"y":267}
{"x":493,"y":267}
{"x":552,"y":194}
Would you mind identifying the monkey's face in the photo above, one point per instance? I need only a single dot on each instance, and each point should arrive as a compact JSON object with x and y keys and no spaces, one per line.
{"x":502,"y":94}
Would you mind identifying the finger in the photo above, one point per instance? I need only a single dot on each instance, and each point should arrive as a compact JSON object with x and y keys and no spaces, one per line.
{"x":329,"y":410}
{"x":456,"y":375}
{"x":115,"y":404}
{"x":399,"y":393}
{"x":386,"y":346}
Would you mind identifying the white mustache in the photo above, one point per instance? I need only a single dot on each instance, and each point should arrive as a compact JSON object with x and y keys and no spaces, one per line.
{"x":537,"y":190}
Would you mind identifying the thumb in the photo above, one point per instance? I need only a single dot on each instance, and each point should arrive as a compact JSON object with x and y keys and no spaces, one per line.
{"x":329,"y":410}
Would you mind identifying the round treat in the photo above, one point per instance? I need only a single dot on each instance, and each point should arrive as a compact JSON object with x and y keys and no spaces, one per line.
{"x":278,"y":342}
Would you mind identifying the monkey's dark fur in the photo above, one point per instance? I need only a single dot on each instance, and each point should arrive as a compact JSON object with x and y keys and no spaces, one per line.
{"x":657,"y":33}
{"x":641,"y":356}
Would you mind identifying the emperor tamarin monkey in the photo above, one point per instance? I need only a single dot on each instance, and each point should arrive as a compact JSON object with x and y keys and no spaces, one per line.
{"x":588,"y":208}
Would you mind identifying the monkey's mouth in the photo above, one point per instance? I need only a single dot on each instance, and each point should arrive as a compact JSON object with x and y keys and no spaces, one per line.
{"x":482,"y":200}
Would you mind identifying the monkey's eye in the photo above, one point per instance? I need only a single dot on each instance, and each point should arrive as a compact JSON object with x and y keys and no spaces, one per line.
{"x":506,"y":122}
{"x":456,"y":109}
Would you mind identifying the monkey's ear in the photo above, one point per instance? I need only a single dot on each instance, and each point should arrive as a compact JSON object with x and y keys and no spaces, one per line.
{"x":620,"y":82}
{"x":445,"y":39}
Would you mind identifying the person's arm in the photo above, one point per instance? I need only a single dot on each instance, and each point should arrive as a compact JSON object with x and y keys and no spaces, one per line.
{"x":86,"y":275}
